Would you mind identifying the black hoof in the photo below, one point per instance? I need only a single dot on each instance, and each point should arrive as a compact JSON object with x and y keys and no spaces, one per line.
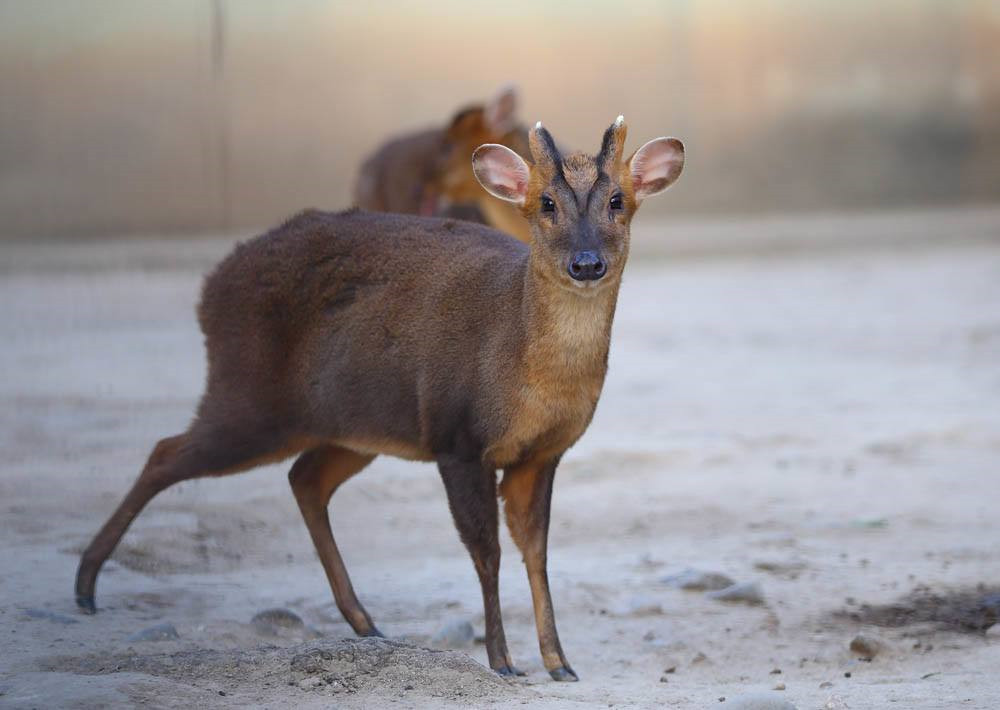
{"x":372,"y":633}
{"x":564,"y":674}
{"x":86,"y":603}
{"x":509,"y":671}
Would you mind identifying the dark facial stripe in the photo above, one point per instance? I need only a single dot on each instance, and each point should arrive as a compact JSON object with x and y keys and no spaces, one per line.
{"x":550,"y":148}
{"x":597,"y":187}
{"x":607,"y":145}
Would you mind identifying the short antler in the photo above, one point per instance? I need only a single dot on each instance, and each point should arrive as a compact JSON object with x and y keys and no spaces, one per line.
{"x":612,"y":147}
{"x":543,"y":149}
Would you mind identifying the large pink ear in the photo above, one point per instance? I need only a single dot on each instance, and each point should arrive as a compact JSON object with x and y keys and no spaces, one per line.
{"x":656,"y":166}
{"x":500,"y":113}
{"x":501,"y":171}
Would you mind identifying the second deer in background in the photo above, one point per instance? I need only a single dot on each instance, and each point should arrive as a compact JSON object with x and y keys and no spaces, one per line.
{"x":430,"y":172}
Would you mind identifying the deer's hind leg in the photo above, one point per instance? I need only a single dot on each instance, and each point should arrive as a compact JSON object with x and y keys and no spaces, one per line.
{"x":203,"y":450}
{"x":315,"y":477}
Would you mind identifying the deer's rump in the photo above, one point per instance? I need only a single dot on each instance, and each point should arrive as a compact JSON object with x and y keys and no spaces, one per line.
{"x":364,"y":328}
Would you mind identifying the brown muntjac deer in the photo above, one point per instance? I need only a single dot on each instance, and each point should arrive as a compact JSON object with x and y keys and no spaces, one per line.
{"x":339,"y":337}
{"x":429,"y":172}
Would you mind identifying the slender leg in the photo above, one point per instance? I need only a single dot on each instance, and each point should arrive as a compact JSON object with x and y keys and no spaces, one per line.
{"x":315,"y":477}
{"x":527,"y":493}
{"x":472,"y":497}
{"x":177,"y":458}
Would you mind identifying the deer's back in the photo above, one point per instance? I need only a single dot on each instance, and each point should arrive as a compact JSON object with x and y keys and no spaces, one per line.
{"x":373,"y":329}
{"x":392,"y":179}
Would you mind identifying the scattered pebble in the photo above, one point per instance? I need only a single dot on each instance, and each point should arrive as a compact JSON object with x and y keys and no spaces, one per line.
{"x":279,"y":618}
{"x":699,"y":658}
{"x":835,"y":702}
{"x":642,"y":606}
{"x":776,"y":671}
{"x":697,"y":580}
{"x":50,"y":616}
{"x":160,"y":632}
{"x":866,"y":646}
{"x":781,"y":568}
{"x":670,"y":669}
{"x":455,"y":634}
{"x":744,"y":592}
{"x":826,"y":684}
{"x":759,"y":701}
{"x":779,"y":686}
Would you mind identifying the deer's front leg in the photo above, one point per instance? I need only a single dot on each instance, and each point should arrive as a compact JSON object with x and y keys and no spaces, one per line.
{"x":527,"y":493}
{"x":472,"y":497}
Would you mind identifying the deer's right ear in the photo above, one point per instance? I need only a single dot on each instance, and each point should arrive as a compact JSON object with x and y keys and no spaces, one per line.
{"x":502,"y":172}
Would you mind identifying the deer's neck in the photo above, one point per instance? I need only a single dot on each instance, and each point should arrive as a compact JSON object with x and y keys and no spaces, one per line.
{"x":569,"y":328}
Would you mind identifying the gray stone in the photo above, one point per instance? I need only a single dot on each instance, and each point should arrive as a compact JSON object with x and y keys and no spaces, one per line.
{"x":789,"y":569}
{"x":50,"y":616}
{"x":160,"y":632}
{"x":993,"y":632}
{"x":642,"y":606}
{"x":455,"y":634}
{"x":742,"y":592}
{"x":697,"y":580}
{"x":277,"y":618}
{"x":866,"y":646}
{"x":758,"y":701}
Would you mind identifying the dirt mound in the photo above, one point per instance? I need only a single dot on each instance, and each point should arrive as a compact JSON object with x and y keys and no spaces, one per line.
{"x":969,"y":610}
{"x":351,"y":666}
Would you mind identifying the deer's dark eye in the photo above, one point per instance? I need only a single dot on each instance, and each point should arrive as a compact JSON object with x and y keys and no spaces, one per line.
{"x":548,"y":205}
{"x":616,"y":202}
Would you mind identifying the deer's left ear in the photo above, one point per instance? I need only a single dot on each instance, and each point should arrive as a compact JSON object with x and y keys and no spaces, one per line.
{"x":656,"y":166}
{"x":502,"y":172}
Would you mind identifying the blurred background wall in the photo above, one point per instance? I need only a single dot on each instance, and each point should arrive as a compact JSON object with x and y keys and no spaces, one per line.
{"x":141,"y":117}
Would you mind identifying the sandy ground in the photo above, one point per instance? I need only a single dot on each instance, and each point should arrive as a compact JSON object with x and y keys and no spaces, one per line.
{"x":824,"y":423}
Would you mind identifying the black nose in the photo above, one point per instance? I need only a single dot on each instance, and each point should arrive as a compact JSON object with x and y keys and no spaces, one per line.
{"x":587,"y":266}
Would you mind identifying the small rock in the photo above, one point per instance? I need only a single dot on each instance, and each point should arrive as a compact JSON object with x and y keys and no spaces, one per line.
{"x":825,"y":684}
{"x":835,"y":702}
{"x":455,"y":634}
{"x":989,"y":606}
{"x":697,"y":580}
{"x":642,"y":606}
{"x":759,"y":701}
{"x":699,"y":658}
{"x":670,"y":669}
{"x":310,"y":683}
{"x":779,"y":686}
{"x":865,"y":646}
{"x":50,"y":616}
{"x":776,"y":671}
{"x":744,"y":592}
{"x":271,"y":620}
{"x":664,"y":679}
{"x":781,"y":568}
{"x":160,"y":632}
{"x":648,"y":636}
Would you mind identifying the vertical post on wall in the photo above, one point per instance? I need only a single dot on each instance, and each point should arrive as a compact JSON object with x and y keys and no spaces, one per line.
{"x":218,"y":51}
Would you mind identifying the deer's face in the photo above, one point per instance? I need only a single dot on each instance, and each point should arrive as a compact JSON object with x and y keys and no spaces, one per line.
{"x":580,"y":207}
